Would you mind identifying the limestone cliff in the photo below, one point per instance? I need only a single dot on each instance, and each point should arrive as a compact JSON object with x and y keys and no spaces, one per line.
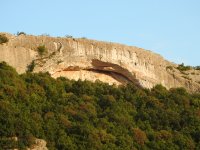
{"x":89,"y":59}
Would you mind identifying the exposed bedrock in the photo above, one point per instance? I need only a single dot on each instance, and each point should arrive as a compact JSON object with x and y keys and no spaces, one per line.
{"x":93,"y":60}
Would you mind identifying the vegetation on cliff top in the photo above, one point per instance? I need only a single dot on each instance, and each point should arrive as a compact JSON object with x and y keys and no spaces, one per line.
{"x":182,"y":67}
{"x":3,"y":39}
{"x":84,"y":115}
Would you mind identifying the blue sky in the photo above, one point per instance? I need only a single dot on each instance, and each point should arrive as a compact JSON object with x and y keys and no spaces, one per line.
{"x":168,"y":27}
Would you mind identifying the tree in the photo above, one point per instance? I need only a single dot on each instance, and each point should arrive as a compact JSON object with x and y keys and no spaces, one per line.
{"x":139,"y":136}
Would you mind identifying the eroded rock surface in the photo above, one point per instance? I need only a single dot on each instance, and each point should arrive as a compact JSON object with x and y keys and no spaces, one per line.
{"x":89,"y":59}
{"x":40,"y":144}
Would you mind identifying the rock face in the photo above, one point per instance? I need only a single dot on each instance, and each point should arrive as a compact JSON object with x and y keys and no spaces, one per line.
{"x":40,"y":144}
{"x":89,"y":59}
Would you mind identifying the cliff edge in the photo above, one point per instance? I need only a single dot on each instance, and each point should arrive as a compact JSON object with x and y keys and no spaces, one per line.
{"x":94,"y":60}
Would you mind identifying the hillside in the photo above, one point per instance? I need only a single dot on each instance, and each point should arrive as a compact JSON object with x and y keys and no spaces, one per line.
{"x":94,"y":60}
{"x":82,"y":115}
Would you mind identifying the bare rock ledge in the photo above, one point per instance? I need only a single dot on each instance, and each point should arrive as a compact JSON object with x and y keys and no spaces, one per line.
{"x":91,"y":60}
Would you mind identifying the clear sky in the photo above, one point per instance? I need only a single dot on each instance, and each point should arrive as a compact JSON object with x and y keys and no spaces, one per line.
{"x":168,"y":27}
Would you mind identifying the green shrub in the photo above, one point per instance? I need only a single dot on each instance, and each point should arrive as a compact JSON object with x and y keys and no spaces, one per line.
{"x":3,"y":39}
{"x":182,"y":67}
{"x":31,"y":66}
{"x":41,"y":50}
{"x":21,"y":33}
{"x":68,"y":36}
{"x":197,"y":68}
{"x":169,"y":67}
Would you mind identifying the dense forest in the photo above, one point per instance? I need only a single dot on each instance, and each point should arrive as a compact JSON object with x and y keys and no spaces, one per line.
{"x":82,"y":115}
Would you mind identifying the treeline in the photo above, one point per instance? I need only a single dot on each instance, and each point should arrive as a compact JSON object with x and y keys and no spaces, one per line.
{"x":182,"y":67}
{"x":82,"y":115}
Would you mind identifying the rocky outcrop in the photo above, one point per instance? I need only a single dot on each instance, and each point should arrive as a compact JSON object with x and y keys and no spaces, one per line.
{"x":93,"y":60}
{"x":40,"y":144}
